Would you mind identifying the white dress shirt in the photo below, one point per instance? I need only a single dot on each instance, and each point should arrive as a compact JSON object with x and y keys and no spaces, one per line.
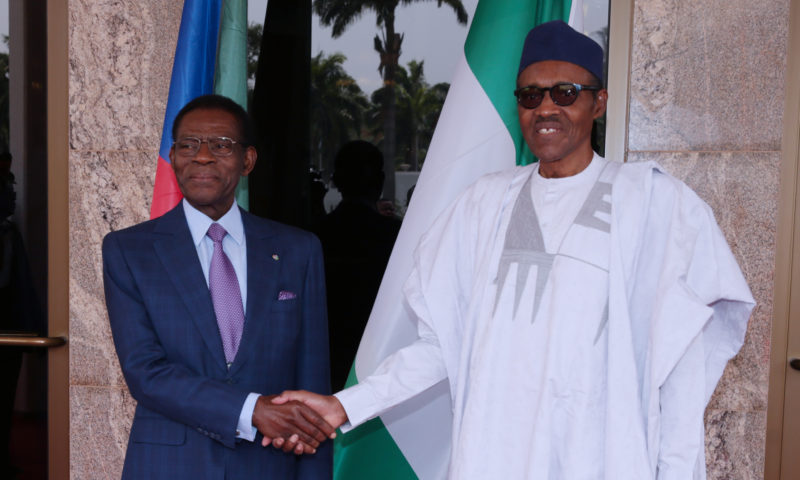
{"x":235,"y":247}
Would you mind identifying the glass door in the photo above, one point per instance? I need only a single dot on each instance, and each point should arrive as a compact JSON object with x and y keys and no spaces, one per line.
{"x":26,"y":373}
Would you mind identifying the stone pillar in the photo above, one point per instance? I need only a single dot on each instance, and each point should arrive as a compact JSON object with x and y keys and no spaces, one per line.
{"x":707,"y":92}
{"x":119,"y":69}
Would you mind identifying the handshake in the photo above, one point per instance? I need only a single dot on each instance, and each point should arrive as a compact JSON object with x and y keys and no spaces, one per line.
{"x":297,"y":421}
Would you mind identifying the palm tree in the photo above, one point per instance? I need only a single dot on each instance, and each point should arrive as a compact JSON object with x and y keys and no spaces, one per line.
{"x":337,"y":108}
{"x":419,"y":107}
{"x":342,"y":13}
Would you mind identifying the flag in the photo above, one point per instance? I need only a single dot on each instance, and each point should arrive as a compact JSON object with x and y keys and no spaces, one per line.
{"x":197,"y":66}
{"x":231,"y":73}
{"x":478,"y":133}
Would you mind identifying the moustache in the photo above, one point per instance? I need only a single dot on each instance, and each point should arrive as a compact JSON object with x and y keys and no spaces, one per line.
{"x":548,"y":119}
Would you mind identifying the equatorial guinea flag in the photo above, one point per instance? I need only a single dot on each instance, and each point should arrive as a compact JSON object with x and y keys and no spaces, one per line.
{"x":230,"y":79}
{"x":478,"y":133}
{"x":199,"y":69}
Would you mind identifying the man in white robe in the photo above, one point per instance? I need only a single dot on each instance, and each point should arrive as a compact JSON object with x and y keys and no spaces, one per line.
{"x":582,"y":310}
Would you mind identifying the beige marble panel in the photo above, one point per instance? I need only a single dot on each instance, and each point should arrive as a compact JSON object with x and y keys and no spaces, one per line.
{"x":120,"y":55}
{"x":742,"y":190}
{"x":108,"y":191}
{"x":100,"y":421}
{"x":707,"y":75}
{"x":735,"y":444}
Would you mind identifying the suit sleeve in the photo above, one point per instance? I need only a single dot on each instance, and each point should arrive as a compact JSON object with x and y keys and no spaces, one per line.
{"x":313,"y":372}
{"x":173,"y":390}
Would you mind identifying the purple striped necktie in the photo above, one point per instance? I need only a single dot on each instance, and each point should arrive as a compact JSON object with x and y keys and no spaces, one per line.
{"x":225,"y":295}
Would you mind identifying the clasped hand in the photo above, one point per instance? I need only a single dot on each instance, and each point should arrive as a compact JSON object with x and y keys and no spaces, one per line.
{"x":297,"y":421}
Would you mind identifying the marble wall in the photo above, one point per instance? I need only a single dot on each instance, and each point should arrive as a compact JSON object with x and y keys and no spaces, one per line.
{"x":120,"y":62}
{"x":706,"y":102}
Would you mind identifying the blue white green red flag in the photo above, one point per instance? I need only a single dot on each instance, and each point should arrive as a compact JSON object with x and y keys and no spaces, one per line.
{"x":197,"y":66}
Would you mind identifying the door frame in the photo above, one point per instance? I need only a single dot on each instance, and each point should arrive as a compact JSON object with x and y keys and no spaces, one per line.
{"x":781,"y":422}
{"x":620,"y":39}
{"x":58,"y":412}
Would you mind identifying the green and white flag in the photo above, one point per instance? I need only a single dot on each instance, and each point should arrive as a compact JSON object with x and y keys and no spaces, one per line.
{"x":230,"y":76}
{"x":478,"y":133}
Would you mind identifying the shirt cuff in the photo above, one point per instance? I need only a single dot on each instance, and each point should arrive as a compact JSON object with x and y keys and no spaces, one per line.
{"x":359,"y":405}
{"x":245,"y":429}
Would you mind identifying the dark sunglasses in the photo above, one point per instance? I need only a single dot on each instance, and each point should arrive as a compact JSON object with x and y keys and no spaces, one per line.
{"x":562,"y":94}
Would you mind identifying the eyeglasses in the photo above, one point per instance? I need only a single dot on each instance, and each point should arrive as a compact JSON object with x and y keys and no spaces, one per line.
{"x":562,"y":94}
{"x":218,"y":146}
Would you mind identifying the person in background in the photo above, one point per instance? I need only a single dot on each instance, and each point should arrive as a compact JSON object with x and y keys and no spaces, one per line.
{"x":357,"y":241}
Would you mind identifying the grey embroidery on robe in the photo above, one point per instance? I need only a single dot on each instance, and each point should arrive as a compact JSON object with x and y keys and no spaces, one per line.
{"x":596,"y":202}
{"x":524,"y":245}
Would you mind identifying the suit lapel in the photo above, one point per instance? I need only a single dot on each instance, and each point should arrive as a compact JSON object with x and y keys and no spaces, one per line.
{"x":178,"y":255}
{"x":262,"y":278}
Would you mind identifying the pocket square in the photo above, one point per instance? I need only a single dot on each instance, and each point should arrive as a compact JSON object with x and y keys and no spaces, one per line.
{"x":286,"y":295}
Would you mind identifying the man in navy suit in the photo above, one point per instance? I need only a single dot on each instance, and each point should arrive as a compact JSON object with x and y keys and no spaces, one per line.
{"x":200,"y":380}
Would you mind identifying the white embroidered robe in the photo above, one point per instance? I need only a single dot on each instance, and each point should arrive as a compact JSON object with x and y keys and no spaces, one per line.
{"x":593,"y":359}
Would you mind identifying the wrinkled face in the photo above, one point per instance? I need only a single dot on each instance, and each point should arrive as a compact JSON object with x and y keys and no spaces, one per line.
{"x":207,"y":181}
{"x":560,"y":136}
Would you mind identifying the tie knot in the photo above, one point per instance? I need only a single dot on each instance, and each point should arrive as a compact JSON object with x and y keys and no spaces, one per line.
{"x":216,"y":232}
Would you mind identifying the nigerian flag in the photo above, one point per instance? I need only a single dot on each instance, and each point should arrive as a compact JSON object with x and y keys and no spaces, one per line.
{"x":478,"y":133}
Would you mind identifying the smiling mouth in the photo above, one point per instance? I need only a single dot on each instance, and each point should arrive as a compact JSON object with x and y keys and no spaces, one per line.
{"x":546,"y":131}
{"x":203,"y":178}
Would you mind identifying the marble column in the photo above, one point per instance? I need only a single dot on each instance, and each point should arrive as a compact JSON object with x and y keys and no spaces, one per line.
{"x":706,"y":102}
{"x":120,"y":62}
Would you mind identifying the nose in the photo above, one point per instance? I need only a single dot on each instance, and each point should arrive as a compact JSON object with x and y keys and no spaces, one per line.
{"x":204,"y":154}
{"x":547,"y":107}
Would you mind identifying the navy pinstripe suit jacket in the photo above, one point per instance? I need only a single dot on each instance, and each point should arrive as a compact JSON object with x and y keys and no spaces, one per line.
{"x":170,"y":351}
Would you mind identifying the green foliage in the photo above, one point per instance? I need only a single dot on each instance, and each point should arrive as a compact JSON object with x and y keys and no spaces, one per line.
{"x":254,"y":34}
{"x":418,"y":108}
{"x":337,"y":109}
{"x":419,"y":105}
{"x":340,"y":111}
{"x":340,"y":14}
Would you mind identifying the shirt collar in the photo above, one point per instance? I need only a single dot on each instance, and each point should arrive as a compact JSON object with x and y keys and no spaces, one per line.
{"x":592,"y":171}
{"x":199,"y":223}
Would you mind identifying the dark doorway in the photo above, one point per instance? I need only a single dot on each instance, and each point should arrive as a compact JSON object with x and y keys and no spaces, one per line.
{"x":23,"y":231}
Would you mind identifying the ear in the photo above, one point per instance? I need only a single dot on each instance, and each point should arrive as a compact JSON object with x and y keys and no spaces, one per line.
{"x":172,"y":157}
{"x":600,"y":102}
{"x":249,"y":163}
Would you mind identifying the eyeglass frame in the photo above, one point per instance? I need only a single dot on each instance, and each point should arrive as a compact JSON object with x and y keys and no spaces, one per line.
{"x":579,"y":87}
{"x":207,"y":140}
